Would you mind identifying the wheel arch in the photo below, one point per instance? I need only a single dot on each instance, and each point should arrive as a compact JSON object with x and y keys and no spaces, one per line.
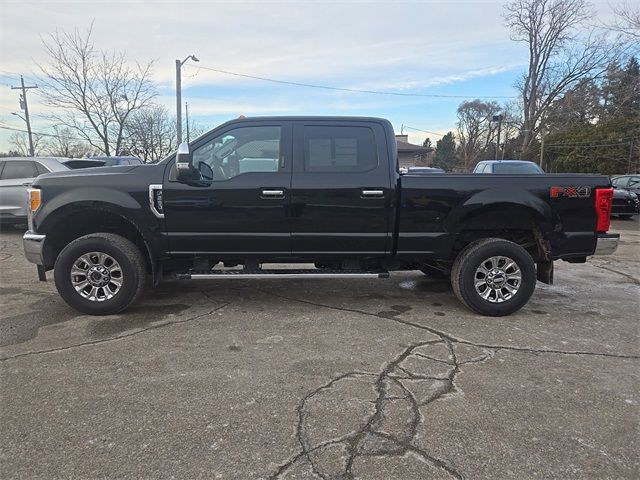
{"x":75,"y":220}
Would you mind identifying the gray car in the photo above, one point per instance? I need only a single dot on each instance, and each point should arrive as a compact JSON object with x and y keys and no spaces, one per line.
{"x":16,"y":176}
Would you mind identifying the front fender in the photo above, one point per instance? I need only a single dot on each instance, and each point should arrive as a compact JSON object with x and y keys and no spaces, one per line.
{"x":87,"y":197}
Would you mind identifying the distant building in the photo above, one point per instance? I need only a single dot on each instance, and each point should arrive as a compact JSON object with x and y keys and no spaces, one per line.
{"x":410,"y":155}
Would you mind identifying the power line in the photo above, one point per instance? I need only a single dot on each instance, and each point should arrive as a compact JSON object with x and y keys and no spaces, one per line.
{"x":7,"y":127}
{"x":424,"y":131}
{"x":14,"y":75}
{"x":593,"y":145}
{"x":342,"y":89}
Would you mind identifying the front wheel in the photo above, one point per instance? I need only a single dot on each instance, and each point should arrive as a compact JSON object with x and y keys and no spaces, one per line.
{"x":100,"y":273}
{"x":494,"y":277}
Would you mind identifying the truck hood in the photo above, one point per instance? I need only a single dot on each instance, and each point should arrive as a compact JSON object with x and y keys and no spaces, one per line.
{"x":89,"y":172}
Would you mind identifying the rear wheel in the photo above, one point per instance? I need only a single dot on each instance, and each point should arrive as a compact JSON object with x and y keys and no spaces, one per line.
{"x":494,"y":277}
{"x":100,"y":273}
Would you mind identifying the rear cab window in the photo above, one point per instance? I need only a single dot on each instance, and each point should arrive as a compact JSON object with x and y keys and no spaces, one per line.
{"x":516,"y":168}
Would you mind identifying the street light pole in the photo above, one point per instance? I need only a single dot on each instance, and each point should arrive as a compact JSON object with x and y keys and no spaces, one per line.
{"x":179,"y":95}
{"x":186,"y":115}
{"x":178,"y":101}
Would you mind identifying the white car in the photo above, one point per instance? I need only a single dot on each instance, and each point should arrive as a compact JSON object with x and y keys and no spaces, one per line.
{"x":16,"y":176}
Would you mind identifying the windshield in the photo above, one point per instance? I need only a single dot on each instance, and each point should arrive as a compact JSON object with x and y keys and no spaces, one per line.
{"x":524,"y":167}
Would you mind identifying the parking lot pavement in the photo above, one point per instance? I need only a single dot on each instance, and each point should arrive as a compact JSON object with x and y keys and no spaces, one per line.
{"x":371,"y":379}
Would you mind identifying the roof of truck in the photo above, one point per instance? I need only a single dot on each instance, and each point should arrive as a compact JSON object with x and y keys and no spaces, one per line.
{"x":313,"y":118}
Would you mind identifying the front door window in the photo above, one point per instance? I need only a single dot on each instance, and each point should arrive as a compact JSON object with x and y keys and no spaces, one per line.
{"x":241,"y":150}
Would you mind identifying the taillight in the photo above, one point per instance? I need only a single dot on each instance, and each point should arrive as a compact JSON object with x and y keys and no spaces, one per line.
{"x":604,"y":201}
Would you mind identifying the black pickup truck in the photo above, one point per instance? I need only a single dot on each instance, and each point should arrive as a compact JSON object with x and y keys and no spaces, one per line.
{"x":308,"y":190}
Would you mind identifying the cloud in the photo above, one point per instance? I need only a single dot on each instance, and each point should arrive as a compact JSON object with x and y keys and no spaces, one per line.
{"x":380,"y":45}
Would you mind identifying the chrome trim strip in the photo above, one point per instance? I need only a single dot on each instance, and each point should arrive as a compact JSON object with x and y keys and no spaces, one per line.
{"x":273,"y":193}
{"x":222,"y":276}
{"x":34,"y":237}
{"x":372,"y":193}
{"x":152,"y":200}
{"x":606,"y":245}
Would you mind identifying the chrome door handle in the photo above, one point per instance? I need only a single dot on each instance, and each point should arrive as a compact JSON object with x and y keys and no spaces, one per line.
{"x":372,"y":193}
{"x":273,"y":193}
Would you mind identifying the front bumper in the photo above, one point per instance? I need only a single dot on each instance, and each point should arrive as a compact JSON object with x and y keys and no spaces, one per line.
{"x":33,"y":244}
{"x":606,"y":243}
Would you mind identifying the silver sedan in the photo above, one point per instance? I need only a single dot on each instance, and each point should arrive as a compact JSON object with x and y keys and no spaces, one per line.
{"x":16,"y":176}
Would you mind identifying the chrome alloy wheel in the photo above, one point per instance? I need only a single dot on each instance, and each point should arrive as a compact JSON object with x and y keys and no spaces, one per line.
{"x":96,"y":276}
{"x":497,"y":279}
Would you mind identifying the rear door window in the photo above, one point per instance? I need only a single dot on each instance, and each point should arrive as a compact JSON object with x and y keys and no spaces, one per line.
{"x":339,"y":149}
{"x":19,"y":169}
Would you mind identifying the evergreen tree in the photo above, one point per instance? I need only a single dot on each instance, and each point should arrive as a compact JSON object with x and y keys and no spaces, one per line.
{"x":445,"y":156}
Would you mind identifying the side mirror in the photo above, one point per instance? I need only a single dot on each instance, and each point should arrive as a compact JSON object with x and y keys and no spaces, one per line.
{"x":184,"y":169}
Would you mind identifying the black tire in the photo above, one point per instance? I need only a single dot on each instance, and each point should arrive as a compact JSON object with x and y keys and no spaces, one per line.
{"x":133,"y":272}
{"x":463,"y":277}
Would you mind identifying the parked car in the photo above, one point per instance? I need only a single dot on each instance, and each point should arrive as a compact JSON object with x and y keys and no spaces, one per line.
{"x":627,"y":182}
{"x":84,"y":163}
{"x":326,"y":190}
{"x":116,"y":161}
{"x":625,"y":203}
{"x":16,"y":176}
{"x":507,"y":167}
{"x":425,"y":170}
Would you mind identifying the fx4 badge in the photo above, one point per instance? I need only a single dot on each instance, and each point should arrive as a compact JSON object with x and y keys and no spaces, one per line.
{"x":570,"y":192}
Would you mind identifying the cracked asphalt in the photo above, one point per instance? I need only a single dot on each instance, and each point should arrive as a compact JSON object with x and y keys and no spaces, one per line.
{"x":331,"y":379}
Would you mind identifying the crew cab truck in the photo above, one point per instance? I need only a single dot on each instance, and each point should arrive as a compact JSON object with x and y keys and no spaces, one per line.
{"x":320,"y":190}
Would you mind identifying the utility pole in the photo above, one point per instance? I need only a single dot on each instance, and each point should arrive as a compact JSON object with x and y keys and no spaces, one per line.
{"x":542,"y":135}
{"x":179,"y":95}
{"x":24,"y":106}
{"x":498,"y":118}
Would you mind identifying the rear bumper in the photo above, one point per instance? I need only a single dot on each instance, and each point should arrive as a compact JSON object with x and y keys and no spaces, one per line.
{"x":606,"y":243}
{"x":33,"y":244}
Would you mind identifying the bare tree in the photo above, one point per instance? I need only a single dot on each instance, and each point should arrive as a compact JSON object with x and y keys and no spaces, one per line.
{"x":559,"y":56}
{"x":151,"y":133}
{"x":20,"y":144}
{"x":475,"y":130}
{"x":627,"y":20}
{"x":64,"y":144}
{"x":97,"y":91}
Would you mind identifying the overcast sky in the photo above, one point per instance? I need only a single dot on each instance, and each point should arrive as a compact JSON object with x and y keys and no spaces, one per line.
{"x":428,"y":47}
